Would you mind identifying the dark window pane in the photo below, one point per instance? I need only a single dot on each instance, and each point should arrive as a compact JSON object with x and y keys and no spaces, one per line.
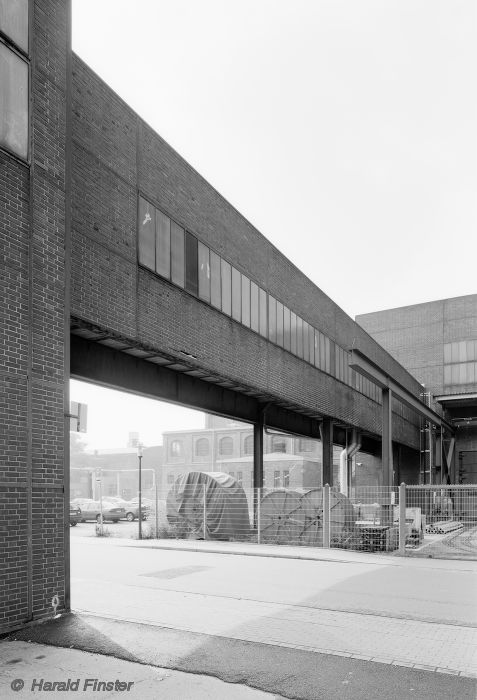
{"x":147,"y":234}
{"x":263,"y":313}
{"x":272,"y":319}
{"x":293,"y":332}
{"x":286,"y":329}
{"x":163,"y":244}
{"x":14,"y":21}
{"x":236,"y":295}
{"x":191,"y":266}
{"x":245,"y":301}
{"x":204,"y":273}
{"x":299,"y":336}
{"x":329,"y":356}
{"x":254,"y":312}
{"x":177,"y":254}
{"x":279,"y":324}
{"x":13,"y":102}
{"x":226,"y":276}
{"x":215,"y":286}
{"x":311,"y":343}
{"x":322,"y":352}
{"x":306,"y":347}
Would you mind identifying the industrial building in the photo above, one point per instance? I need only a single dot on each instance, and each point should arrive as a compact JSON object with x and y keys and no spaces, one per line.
{"x":122,"y":266}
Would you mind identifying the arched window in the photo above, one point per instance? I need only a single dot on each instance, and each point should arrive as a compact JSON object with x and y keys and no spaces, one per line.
{"x":176,"y":448}
{"x":226,"y":446}
{"x":248,"y":445}
{"x":202,"y":447}
{"x":279,"y":444}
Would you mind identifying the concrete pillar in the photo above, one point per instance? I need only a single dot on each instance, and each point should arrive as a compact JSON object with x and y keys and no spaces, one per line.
{"x":327,"y":450}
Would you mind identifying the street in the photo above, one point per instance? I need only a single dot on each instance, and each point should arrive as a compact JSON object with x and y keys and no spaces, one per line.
{"x":387,"y":613}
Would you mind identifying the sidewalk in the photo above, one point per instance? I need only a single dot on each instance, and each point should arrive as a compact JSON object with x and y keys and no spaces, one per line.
{"x":24,"y":662}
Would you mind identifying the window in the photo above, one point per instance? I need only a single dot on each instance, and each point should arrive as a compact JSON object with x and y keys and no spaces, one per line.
{"x":263,"y":313}
{"x":248,"y":445}
{"x":293,"y":332}
{"x":202,"y":448}
{"x":215,"y":286}
{"x":245,"y":301}
{"x":306,"y":347}
{"x":236,"y":295}
{"x":311,"y":343}
{"x":272,"y":319}
{"x":276,"y":479}
{"x":14,"y":22}
{"x":279,"y":444}
{"x":286,"y":329}
{"x":254,"y":308}
{"x":305,"y":445}
{"x":226,"y":446}
{"x":279,"y":324}
{"x":13,"y":102}
{"x":240,"y":478}
{"x":299,"y":336}
{"x":232,"y":474}
{"x":286,"y":478}
{"x":147,"y":234}
{"x":176,"y":448}
{"x":191,"y":264}
{"x":170,"y":478}
{"x":177,"y":254}
{"x":163,"y":245}
{"x":226,"y":277}
{"x":204,"y":273}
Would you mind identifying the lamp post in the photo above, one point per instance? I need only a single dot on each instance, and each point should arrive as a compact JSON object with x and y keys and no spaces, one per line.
{"x":139,"y":456}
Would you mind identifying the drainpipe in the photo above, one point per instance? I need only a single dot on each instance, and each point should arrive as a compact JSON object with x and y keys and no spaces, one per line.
{"x":347,"y":454}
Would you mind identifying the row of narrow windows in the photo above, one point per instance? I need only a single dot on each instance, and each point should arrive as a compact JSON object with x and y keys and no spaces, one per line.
{"x":169,"y":250}
{"x":202,"y":446}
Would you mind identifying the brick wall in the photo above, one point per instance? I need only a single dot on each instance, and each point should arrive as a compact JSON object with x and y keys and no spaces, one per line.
{"x":32,"y":339}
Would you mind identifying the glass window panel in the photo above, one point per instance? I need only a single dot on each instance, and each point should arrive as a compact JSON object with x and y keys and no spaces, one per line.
{"x":236,"y":295}
{"x":14,"y":21}
{"x":254,"y":309}
{"x":177,"y":254}
{"x":311,"y":343}
{"x":293,"y":331}
{"x":280,"y":324}
{"x":462,"y":373}
{"x":147,"y":234}
{"x":455,"y":352}
{"x":447,"y":353}
{"x":263,"y":313}
{"x":306,"y":347}
{"x":13,"y":102}
{"x":204,"y":272}
{"x":455,"y":374}
{"x":471,"y":350}
{"x":191,"y":266}
{"x":462,"y":351}
{"x":470,"y":373}
{"x":286,"y":329}
{"x":163,"y":244}
{"x":317,"y":348}
{"x":299,"y":336}
{"x":272,"y":319}
{"x":245,"y":301}
{"x":327,"y":355}
{"x":215,"y":286}
{"x":226,"y":277}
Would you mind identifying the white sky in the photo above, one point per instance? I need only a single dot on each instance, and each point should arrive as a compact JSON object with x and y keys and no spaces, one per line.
{"x":344,"y":130}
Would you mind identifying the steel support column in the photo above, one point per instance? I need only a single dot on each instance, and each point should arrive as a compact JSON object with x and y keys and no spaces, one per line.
{"x":327,"y":448}
{"x":258,"y":453}
{"x":387,"y":445}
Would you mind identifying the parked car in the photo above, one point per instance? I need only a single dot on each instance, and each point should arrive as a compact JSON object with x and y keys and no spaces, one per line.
{"x":131,"y":508}
{"x":91,"y":510}
{"x":75,"y":514}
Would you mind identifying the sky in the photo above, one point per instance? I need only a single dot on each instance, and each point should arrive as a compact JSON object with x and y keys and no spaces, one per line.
{"x":344,"y":130}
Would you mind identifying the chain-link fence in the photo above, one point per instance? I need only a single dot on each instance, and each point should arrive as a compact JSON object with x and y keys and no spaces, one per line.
{"x":409,"y":520}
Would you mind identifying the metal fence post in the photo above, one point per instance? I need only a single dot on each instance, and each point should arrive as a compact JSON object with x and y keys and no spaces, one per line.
{"x":326,"y":516}
{"x":402,"y":518}
{"x":258,"y":516}
{"x":157,"y":510}
{"x":204,"y":525}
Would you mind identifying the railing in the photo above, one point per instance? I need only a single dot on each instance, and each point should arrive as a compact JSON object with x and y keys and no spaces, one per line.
{"x":406,"y":520}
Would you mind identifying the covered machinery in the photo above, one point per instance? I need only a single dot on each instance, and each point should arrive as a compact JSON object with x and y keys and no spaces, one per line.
{"x":296,"y":517}
{"x":209,"y":505}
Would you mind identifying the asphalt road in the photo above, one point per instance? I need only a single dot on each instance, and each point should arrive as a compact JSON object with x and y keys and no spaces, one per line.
{"x":243,"y":618}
